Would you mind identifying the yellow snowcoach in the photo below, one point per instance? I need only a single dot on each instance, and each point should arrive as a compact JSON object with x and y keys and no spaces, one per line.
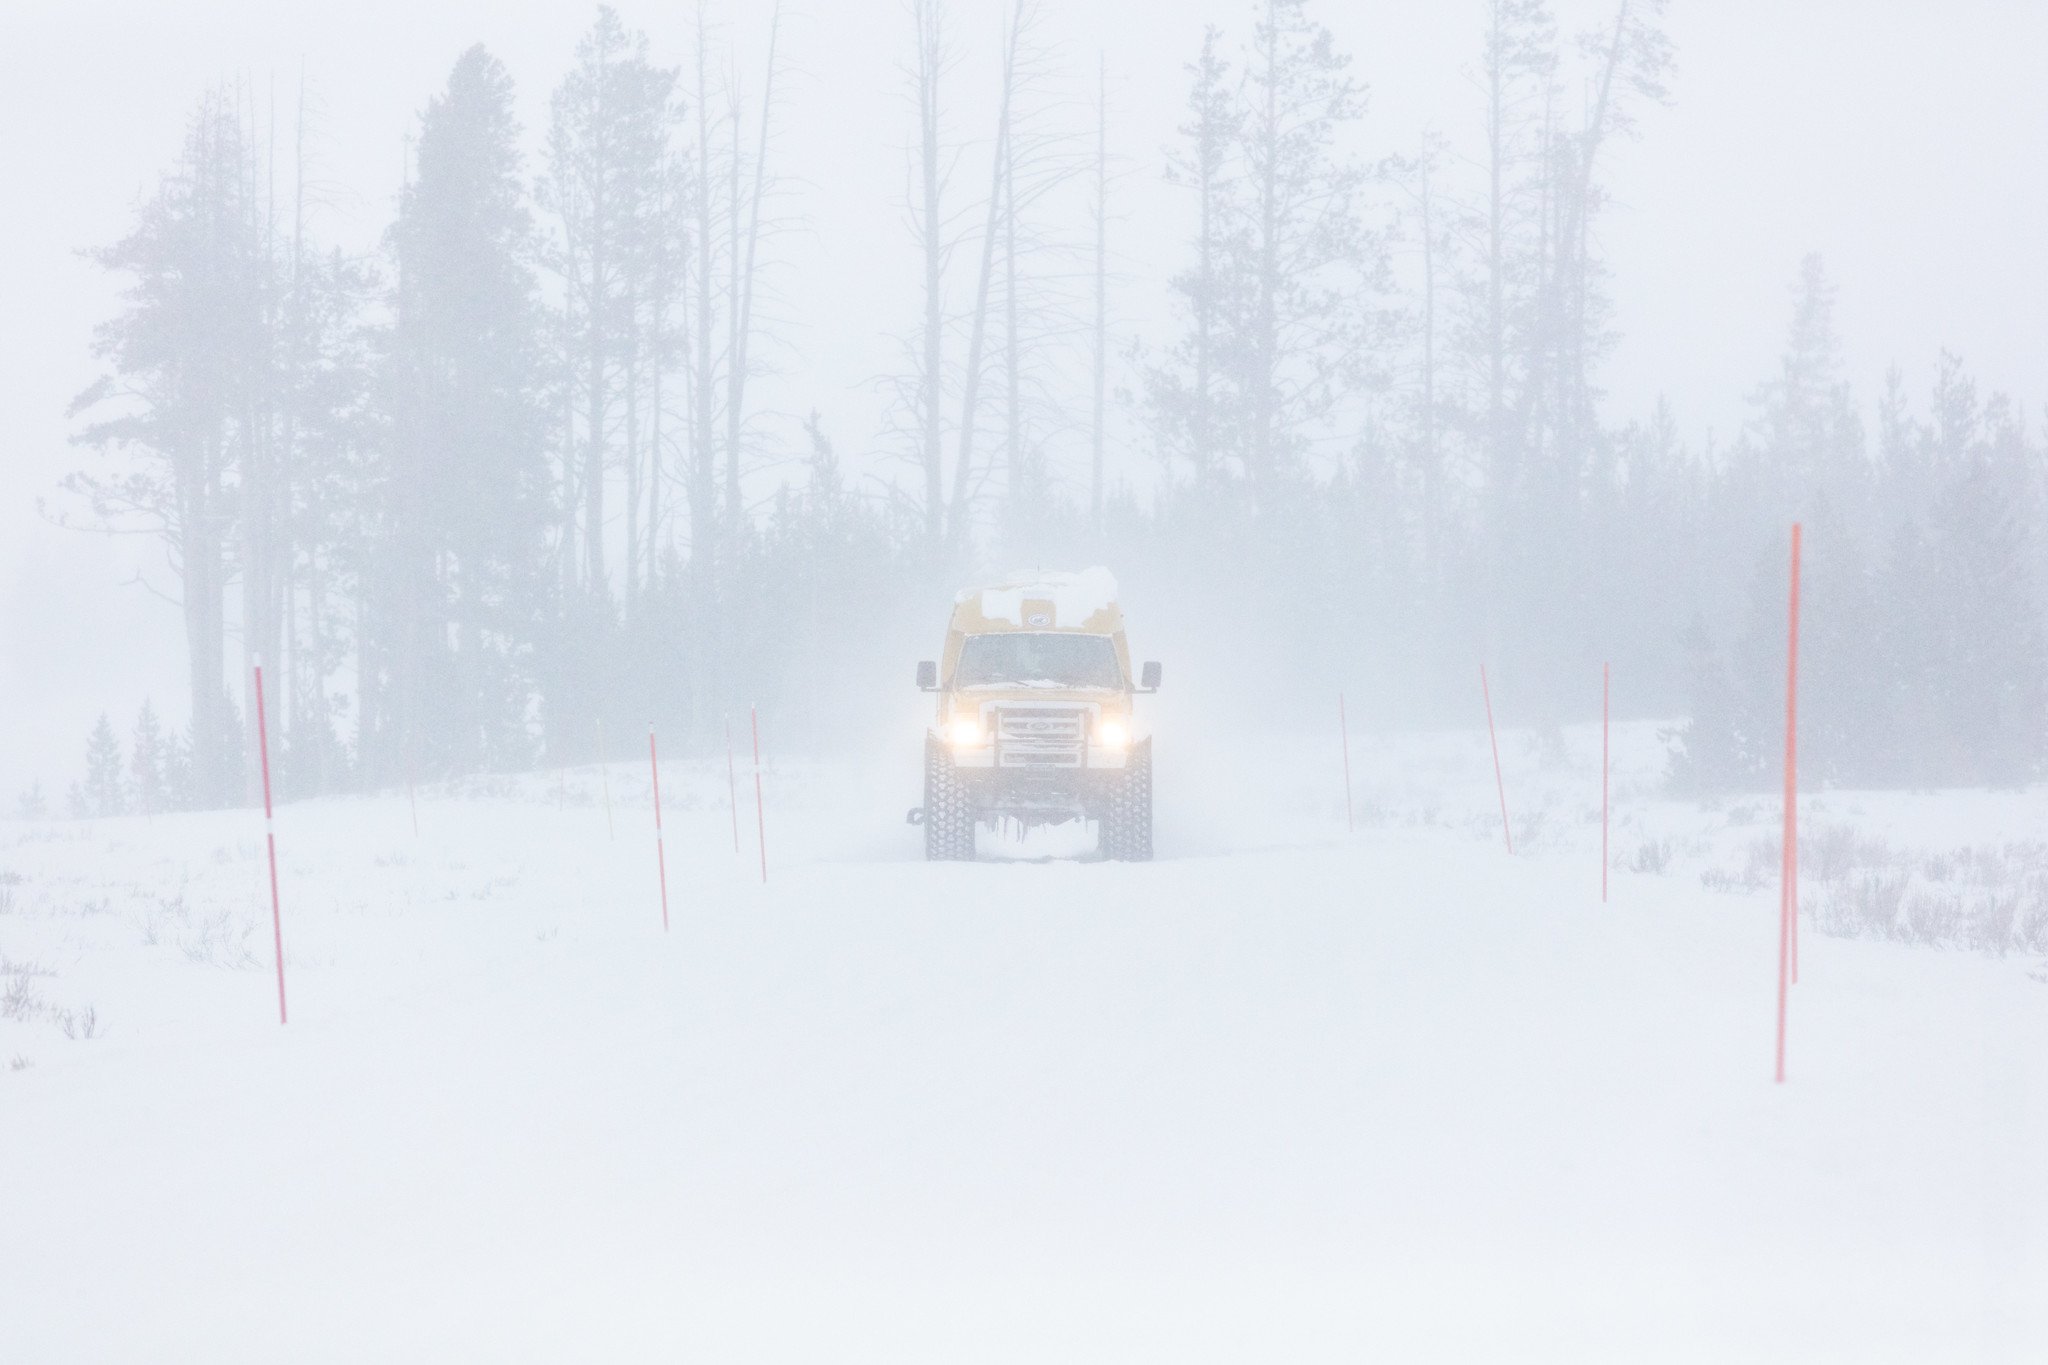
{"x":1035,"y":718}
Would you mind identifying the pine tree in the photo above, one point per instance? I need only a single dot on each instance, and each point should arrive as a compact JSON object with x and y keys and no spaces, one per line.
{"x":1990,"y":654}
{"x":32,"y":805}
{"x":1194,"y":418}
{"x":1280,"y":304}
{"x":179,"y":791}
{"x":1846,"y":718}
{"x":1800,"y":458}
{"x":1716,"y":750}
{"x":459,"y":590}
{"x":1308,"y":263}
{"x":926,"y":390}
{"x":1804,"y":430}
{"x":608,"y":162}
{"x":332,"y":430}
{"x":104,"y":791}
{"x":1516,"y":71}
{"x":146,"y":762}
{"x":186,"y":358}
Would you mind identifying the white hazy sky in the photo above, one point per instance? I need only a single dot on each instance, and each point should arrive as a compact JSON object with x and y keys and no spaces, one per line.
{"x":1905,"y":139}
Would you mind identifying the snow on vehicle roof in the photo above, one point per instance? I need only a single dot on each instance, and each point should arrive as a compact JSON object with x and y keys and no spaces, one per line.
{"x":1074,"y":596}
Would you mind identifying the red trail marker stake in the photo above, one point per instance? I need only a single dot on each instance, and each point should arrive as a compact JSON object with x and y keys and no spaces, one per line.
{"x":1499,"y":785}
{"x":1788,"y":891}
{"x":732,"y":789}
{"x":660,"y":854}
{"x":760,"y":809}
{"x":1344,"y":733}
{"x":1791,"y":882}
{"x":1603,"y":783}
{"x":270,"y":838}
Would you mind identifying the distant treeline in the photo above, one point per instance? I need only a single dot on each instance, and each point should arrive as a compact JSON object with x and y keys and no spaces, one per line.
{"x":511,"y":475}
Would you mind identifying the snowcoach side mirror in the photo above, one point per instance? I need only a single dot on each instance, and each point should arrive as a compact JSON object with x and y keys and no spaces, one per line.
{"x":928,"y":675}
{"x":1149,"y":678}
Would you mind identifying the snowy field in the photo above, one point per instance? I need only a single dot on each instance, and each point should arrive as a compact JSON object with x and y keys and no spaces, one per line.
{"x":1287,"y":1094}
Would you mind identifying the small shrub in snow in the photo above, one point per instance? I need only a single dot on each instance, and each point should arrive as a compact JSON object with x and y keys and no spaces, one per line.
{"x":1652,"y":856}
{"x":1761,"y":865}
{"x":168,"y":908}
{"x":218,"y":941}
{"x":1831,"y":852}
{"x":1992,"y":900}
{"x":1930,"y":916}
{"x":1862,"y":905}
{"x":8,"y":882}
{"x":79,"y":1024}
{"x":19,"y":1000}
{"x":19,"y":1063}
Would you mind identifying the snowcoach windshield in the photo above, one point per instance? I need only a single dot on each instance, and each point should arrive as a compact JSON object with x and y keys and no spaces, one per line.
{"x":1024,"y":659}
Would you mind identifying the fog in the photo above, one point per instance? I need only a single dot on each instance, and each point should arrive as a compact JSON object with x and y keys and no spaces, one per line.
{"x":1891,"y":140}
{"x":585,"y":771}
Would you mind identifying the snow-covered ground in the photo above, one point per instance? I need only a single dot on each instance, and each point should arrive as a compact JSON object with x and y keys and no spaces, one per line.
{"x":1289,"y":1093}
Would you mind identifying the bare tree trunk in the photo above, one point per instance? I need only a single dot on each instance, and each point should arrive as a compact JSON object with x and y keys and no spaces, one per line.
{"x":263,"y":488}
{"x":1101,"y":376}
{"x":742,"y":303}
{"x":657,"y":326}
{"x":704,"y":535}
{"x":200,"y":564}
{"x":1261,"y":450}
{"x":632,"y":447}
{"x":304,"y":687}
{"x":970,"y":381}
{"x":596,"y":417}
{"x":1572,"y":244}
{"x":735,"y":504}
{"x":598,"y":397}
{"x":571,"y":495}
{"x":1496,"y":214}
{"x":1432,"y":455}
{"x":929,"y":16}
{"x":1020,"y":476}
{"x":1208,"y":167}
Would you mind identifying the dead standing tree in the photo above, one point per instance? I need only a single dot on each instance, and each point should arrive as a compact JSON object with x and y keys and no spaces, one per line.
{"x":947,"y":511}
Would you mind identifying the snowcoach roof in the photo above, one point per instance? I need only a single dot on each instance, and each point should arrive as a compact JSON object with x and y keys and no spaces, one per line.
{"x":1083,"y":602}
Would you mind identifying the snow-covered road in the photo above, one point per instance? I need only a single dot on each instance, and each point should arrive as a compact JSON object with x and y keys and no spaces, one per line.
{"x":1285,"y":1094}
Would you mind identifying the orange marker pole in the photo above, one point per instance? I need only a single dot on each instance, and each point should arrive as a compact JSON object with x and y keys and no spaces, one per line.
{"x":660,"y":854}
{"x":1788,"y":891}
{"x":270,"y":838}
{"x":1499,"y":785}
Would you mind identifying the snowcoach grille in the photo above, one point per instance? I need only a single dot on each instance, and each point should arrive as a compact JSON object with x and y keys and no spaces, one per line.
{"x":1040,"y":737}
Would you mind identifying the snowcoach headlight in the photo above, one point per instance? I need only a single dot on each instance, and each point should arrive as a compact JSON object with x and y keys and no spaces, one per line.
{"x":965,"y":730}
{"x":1112,"y":734}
